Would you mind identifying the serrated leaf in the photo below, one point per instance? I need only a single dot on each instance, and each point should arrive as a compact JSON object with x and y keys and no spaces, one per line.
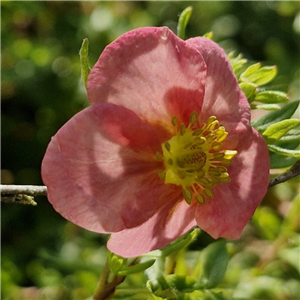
{"x":271,"y":97}
{"x":183,"y":21}
{"x":215,"y":260}
{"x":275,"y":131}
{"x":136,"y":268}
{"x":249,"y":89}
{"x":250,"y":70}
{"x":265,"y":106}
{"x":284,"y":152}
{"x":84,"y":60}
{"x":262,"y":76}
{"x":285,"y":112}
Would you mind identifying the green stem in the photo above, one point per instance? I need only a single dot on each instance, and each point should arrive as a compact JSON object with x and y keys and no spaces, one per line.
{"x":107,"y":284}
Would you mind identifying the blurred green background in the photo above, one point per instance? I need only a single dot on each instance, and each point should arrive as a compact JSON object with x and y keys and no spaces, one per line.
{"x":45,"y":257}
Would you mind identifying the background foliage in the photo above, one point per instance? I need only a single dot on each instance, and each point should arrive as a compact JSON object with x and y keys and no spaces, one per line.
{"x":45,"y":257}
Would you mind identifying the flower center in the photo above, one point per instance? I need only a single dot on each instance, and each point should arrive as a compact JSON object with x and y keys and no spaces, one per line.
{"x":193,"y":159}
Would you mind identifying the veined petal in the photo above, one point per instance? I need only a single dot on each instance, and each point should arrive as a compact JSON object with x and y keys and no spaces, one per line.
{"x":101,"y":169}
{"x":169,"y":223}
{"x":223,"y":97}
{"x":152,"y":72}
{"x":234,"y":203}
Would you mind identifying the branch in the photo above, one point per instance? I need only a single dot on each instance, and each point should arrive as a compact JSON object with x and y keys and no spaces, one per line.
{"x":290,"y":173}
{"x":23,"y":194}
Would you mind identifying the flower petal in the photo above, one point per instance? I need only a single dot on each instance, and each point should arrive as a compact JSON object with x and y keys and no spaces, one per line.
{"x":223,"y":97}
{"x":172,"y":221}
{"x":234,"y":203}
{"x":150,"y":71}
{"x":101,"y":169}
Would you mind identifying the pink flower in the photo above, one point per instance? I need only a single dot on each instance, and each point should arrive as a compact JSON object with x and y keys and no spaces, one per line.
{"x":165,"y":145}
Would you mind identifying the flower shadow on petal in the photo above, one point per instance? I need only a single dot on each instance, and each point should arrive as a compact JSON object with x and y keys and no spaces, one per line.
{"x":123,"y":170}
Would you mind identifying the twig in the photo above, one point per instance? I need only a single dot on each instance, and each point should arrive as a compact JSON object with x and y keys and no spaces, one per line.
{"x":290,"y":173}
{"x":23,"y":194}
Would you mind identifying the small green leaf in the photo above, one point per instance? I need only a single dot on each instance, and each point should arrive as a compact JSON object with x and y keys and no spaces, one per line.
{"x":271,"y":97}
{"x":265,"y":106}
{"x":237,"y":63}
{"x":84,"y":60}
{"x":283,"y":151}
{"x":262,"y":76}
{"x":285,"y":112}
{"x":209,"y":35}
{"x":136,"y":268}
{"x":116,"y":262}
{"x":180,"y":243}
{"x":215,"y":259}
{"x":183,"y":21}
{"x":275,"y":131}
{"x":250,"y":70}
{"x":249,"y":89}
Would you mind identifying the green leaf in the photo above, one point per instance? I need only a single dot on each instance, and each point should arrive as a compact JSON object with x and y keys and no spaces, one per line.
{"x":180,"y":282}
{"x":84,"y":60}
{"x":136,"y":268}
{"x":275,"y":131}
{"x":237,"y":63}
{"x":278,"y":161}
{"x":271,"y":97}
{"x":209,"y":35}
{"x":183,"y":21}
{"x":291,"y":256}
{"x":261,"y":76}
{"x":249,"y":89}
{"x":265,"y":106}
{"x":180,"y":243}
{"x":292,"y":136}
{"x":211,"y":295}
{"x":285,"y":112}
{"x":250,"y":70}
{"x":115,"y":262}
{"x":283,"y":151}
{"x":215,"y":260}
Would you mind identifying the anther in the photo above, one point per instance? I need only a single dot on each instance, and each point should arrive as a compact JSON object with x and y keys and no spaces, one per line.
{"x":168,"y":146}
{"x":188,"y":195}
{"x":193,"y":118}
{"x":182,"y":129}
{"x":174,"y":121}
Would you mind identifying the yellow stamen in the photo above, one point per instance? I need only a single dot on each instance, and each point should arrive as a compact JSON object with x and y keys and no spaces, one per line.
{"x":193,"y":158}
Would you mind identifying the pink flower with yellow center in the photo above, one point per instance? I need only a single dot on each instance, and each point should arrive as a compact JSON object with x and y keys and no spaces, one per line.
{"x":165,"y":145}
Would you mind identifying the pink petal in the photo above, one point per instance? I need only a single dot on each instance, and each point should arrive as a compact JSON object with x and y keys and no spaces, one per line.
{"x":152,"y":72}
{"x":222,"y":98}
{"x":101,"y":169}
{"x":234,"y":203}
{"x":172,"y":221}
